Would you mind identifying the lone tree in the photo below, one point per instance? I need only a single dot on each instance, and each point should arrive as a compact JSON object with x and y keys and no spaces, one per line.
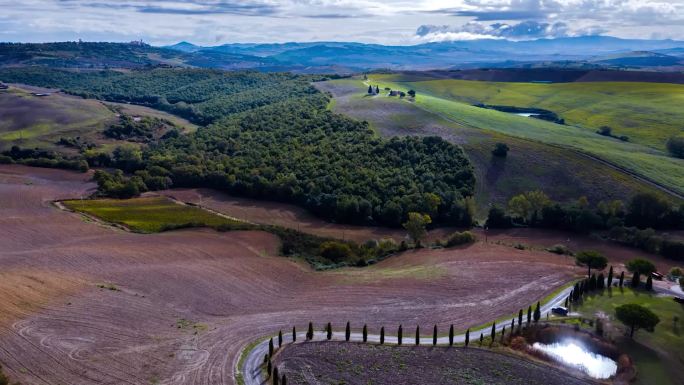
{"x":592,"y":260}
{"x":434,"y":336}
{"x":537,"y":313}
{"x":382,"y":335}
{"x":280,"y":338}
{"x":636,"y":317}
{"x":451,"y":335}
{"x":347,"y":332}
{"x":500,"y":150}
{"x":493,"y":333}
{"x":415,"y":226}
{"x":641,"y":266}
{"x":399,"y":335}
{"x":417,"y":335}
{"x":310,"y":332}
{"x":328,"y":329}
{"x":481,"y":338}
{"x":294,"y":334}
{"x":467,"y":338}
{"x":365,"y":333}
{"x":270,"y":348}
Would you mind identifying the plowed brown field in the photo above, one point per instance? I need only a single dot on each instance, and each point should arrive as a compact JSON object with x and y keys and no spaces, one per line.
{"x":84,"y":303}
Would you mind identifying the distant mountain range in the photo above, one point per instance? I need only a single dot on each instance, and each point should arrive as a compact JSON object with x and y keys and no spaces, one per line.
{"x":589,"y":52}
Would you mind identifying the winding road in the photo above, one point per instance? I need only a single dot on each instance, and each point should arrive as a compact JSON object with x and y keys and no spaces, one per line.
{"x":251,"y":367}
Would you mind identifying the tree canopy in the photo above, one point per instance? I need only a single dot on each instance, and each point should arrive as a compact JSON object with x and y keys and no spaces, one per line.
{"x":641,"y":266}
{"x":636,"y":317}
{"x":592,"y":260}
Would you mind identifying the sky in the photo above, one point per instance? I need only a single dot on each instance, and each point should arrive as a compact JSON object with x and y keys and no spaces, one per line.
{"x":398,"y":22}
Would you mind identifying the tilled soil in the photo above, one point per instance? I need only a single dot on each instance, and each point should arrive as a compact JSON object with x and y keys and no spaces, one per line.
{"x":85,"y":303}
{"x":363,"y":364}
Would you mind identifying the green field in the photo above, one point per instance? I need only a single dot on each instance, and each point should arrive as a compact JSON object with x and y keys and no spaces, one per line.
{"x":564,"y":174}
{"x":647,"y":162}
{"x":648,"y":113}
{"x":152,"y":215}
{"x":659,"y":356}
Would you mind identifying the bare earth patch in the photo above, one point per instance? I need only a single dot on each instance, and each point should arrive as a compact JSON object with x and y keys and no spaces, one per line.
{"x":362,"y":364}
{"x":177,"y":307}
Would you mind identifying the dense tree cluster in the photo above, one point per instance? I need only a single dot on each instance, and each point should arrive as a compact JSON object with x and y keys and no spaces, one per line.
{"x":632,"y":224}
{"x":140,"y":129}
{"x":270,"y":136}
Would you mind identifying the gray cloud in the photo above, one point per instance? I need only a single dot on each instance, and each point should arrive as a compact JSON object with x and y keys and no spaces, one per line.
{"x":520,"y":31}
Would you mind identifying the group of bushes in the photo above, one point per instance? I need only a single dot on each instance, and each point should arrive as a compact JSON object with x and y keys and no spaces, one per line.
{"x":41,"y":158}
{"x":143,"y":129}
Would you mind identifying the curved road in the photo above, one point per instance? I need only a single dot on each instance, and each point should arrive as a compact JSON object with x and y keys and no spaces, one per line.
{"x":251,"y":368}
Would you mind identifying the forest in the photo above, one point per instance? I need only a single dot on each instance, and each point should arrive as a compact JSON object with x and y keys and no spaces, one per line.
{"x":271,"y":136}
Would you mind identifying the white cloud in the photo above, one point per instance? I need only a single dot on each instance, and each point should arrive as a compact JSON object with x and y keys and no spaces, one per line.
{"x":388,"y":21}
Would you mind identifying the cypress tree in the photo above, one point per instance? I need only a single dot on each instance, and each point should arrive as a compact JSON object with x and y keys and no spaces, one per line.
{"x":529,"y":315}
{"x":512,"y":325}
{"x":280,"y":338}
{"x":399,"y":335}
{"x":600,"y":282}
{"x":649,"y":283}
{"x":275,"y":375}
{"x":382,"y":335}
{"x":537,"y":313}
{"x":377,"y":89}
{"x":481,"y":338}
{"x":434,"y":336}
{"x":283,"y":381}
{"x":347,"y":332}
{"x":636,"y":279}
{"x":610,"y":277}
{"x":294,"y":334}
{"x":269,"y":367}
{"x":503,"y":334}
{"x":451,"y":335}
{"x":493,"y":333}
{"x":265,"y":358}
{"x":592,"y":283}
{"x":417,"y":335}
{"x":566,"y":301}
{"x":370,"y":89}
{"x":622,"y":278}
{"x":365,"y":333}
{"x":310,"y":332}
{"x":328,"y":330}
{"x":520,"y":316}
{"x":467,"y":339}
{"x":270,"y":348}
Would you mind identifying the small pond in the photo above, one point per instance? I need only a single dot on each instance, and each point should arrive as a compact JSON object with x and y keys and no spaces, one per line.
{"x":573,"y":354}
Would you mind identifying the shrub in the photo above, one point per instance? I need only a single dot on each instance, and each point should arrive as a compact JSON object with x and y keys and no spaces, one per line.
{"x":676,"y":272}
{"x":460,"y":238}
{"x":675,"y":145}
{"x":335,"y":251}
{"x":497,"y":218}
{"x":500,"y":150}
{"x":559,"y":249}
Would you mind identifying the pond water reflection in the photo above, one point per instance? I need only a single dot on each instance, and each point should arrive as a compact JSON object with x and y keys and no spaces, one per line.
{"x":573,"y":354}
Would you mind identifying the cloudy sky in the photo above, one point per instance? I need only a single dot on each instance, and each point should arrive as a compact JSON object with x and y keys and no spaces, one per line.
{"x":211,"y":22}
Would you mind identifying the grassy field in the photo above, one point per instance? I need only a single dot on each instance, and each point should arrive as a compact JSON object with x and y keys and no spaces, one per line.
{"x":562,"y":173}
{"x":151,"y":215}
{"x":31,"y":121}
{"x":659,"y":356}
{"x":648,"y":113}
{"x":647,"y":162}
